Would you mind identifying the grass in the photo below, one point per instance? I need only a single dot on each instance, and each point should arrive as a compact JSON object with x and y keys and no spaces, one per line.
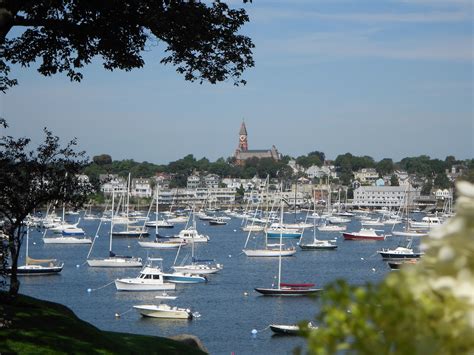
{"x":40,"y":327}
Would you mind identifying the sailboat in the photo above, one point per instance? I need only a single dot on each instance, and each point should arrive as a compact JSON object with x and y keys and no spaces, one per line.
{"x":157,"y":223}
{"x":113,"y":260}
{"x":130,"y":231}
{"x":408,"y":232}
{"x":197,"y":266}
{"x":37,"y":267}
{"x":287,"y":289}
{"x":318,"y":244}
{"x":270,"y":250}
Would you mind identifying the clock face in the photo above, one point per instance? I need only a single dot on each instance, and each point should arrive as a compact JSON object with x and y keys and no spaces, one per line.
{"x":242,"y":138}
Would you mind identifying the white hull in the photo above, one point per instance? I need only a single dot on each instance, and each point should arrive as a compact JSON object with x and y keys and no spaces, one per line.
{"x":268,"y":252}
{"x":253,"y":228}
{"x":163,"y":311}
{"x":115,"y":262}
{"x":66,"y":240}
{"x":408,"y":234}
{"x":161,"y":245}
{"x":197,"y":269}
{"x":136,"y":284}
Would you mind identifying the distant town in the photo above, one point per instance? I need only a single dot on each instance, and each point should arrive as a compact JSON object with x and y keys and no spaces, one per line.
{"x":253,"y":176}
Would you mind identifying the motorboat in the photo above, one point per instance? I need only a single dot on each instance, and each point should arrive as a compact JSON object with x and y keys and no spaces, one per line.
{"x":363,"y":234}
{"x":191,"y":234}
{"x":150,"y":279}
{"x":400,"y":253}
{"x":217,"y":222}
{"x":426,"y":223}
{"x":163,"y":311}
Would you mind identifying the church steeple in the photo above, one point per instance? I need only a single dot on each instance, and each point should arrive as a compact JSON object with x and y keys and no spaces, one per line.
{"x":243,"y":144}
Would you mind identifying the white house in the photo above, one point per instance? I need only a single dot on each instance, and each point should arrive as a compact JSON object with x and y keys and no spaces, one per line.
{"x":141,"y":188}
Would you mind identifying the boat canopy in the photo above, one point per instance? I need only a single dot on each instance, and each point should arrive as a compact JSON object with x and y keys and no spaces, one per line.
{"x":30,"y":261}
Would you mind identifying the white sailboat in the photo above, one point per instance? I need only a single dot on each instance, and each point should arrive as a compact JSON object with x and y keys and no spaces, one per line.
{"x":113,"y":260}
{"x":197,"y":266}
{"x":37,"y":267}
{"x":269,"y":250}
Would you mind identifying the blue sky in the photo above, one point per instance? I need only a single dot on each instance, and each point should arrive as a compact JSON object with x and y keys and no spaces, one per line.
{"x":385,"y":78}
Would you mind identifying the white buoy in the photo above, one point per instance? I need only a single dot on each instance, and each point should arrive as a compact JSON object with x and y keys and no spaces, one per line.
{"x":254,"y":332}
{"x":373,"y":269}
{"x":34,"y":243}
{"x":129,"y":246}
{"x":235,"y":230}
{"x":246,"y":293}
{"x":77,"y":265}
{"x":230,"y":256}
{"x":117,"y":315}
{"x":89,"y":290}
{"x":361,"y":258}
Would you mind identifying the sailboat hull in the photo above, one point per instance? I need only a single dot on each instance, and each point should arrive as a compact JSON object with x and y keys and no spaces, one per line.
{"x":37,"y":270}
{"x":287,"y":291}
{"x":115,"y":262}
{"x":268,"y":252}
{"x":318,"y":246}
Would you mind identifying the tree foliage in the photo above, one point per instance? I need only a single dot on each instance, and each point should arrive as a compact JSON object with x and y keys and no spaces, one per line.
{"x":102,"y":159}
{"x":30,"y":179}
{"x":200,"y":39}
{"x":425,"y":308}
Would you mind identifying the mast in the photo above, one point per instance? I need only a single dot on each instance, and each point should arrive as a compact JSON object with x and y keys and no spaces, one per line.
{"x":156,"y":212}
{"x":27,"y":243}
{"x":128,"y":200}
{"x":112,"y":220}
{"x":281,"y":237}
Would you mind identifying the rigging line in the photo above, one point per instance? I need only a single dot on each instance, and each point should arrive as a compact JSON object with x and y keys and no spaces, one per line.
{"x":101,"y":287}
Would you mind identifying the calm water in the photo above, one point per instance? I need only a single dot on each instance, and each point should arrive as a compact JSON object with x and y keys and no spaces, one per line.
{"x":227,"y":315}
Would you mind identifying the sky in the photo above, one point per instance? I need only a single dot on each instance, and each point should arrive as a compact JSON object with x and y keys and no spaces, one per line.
{"x":384,"y":78}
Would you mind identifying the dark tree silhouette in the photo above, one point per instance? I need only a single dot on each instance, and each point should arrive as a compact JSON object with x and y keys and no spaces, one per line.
{"x":29,"y":179}
{"x":200,"y":39}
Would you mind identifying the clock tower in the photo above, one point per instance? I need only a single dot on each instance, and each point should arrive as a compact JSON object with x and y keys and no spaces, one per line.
{"x":243,"y":144}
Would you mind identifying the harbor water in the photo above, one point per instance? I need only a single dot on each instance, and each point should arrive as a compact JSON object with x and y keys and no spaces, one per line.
{"x":229,"y":307}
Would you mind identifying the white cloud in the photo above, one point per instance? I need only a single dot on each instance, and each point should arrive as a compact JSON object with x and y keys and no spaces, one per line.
{"x":353,"y":44}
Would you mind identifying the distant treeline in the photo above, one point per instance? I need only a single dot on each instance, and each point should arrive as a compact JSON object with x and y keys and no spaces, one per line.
{"x":346,"y":164}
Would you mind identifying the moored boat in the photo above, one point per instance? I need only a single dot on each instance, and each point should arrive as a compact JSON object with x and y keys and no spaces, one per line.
{"x":163,"y":311}
{"x":363,"y":234}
